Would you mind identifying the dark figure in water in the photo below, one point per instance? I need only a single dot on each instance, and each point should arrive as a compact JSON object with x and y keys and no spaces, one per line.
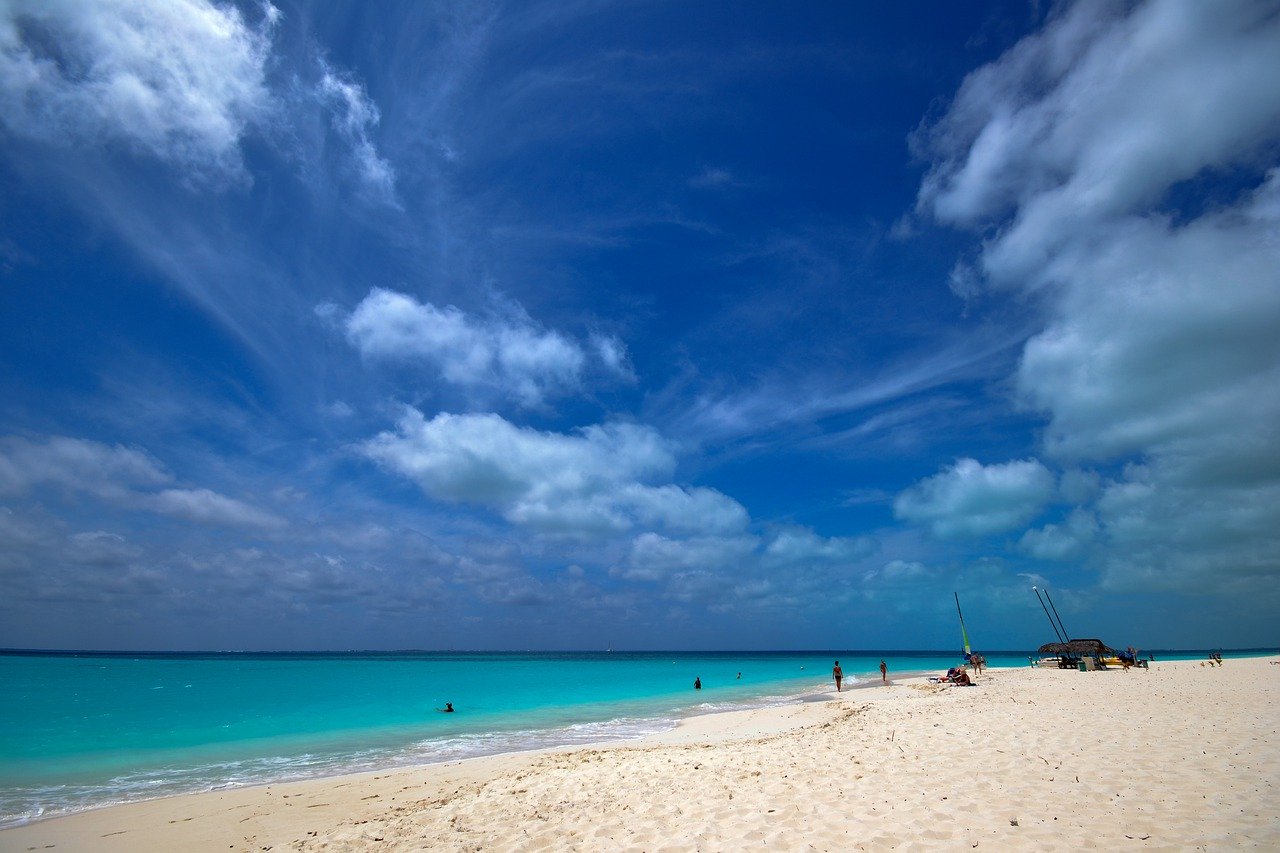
{"x":447,"y":709}
{"x":697,"y":684}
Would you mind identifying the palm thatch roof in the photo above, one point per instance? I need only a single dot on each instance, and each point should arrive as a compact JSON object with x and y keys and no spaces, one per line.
{"x":1077,"y":647}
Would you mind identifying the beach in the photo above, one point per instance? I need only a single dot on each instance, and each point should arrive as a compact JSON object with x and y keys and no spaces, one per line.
{"x":1180,"y":756}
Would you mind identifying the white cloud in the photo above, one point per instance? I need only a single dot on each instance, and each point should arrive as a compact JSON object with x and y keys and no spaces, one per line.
{"x":654,"y":557}
{"x":101,"y":549}
{"x":613,"y":356}
{"x":74,"y":464}
{"x":799,"y":547}
{"x":205,"y":507}
{"x":120,"y":476}
{"x":178,"y":79}
{"x":1066,"y":541}
{"x":1163,"y":339}
{"x":510,"y":355}
{"x":591,"y":483}
{"x":897,"y":572}
{"x":1160,"y":346}
{"x":970,"y":499}
{"x":1099,"y":115}
{"x":183,"y":81}
{"x":680,"y":508}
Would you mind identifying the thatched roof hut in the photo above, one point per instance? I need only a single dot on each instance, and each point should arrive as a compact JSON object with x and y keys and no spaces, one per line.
{"x":1077,"y":648}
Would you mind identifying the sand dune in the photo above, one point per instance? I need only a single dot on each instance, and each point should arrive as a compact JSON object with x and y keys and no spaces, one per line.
{"x":1178,"y":757}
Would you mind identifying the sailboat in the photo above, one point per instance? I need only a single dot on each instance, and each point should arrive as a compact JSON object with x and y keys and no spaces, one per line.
{"x":969,"y":657}
{"x":964,"y":635}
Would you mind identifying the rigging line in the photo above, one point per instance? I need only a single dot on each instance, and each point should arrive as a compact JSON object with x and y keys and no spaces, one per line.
{"x":1056,"y":632}
{"x":1055,"y":613}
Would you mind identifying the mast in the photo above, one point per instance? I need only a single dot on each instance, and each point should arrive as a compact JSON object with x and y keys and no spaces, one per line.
{"x":1055,"y":613}
{"x":1052,"y":624}
{"x":963,"y":634}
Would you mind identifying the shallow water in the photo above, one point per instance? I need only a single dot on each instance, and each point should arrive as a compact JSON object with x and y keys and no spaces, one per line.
{"x":85,"y":730}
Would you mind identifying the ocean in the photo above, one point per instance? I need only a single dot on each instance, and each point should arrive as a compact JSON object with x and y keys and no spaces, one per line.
{"x":83,"y":730}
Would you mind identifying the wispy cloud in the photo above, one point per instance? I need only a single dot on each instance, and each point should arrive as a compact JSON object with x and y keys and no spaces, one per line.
{"x":779,"y":403}
{"x":712,"y":177}
{"x":354,"y":118}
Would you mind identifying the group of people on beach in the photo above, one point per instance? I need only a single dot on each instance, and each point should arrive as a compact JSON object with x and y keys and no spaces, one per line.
{"x":838,"y":674}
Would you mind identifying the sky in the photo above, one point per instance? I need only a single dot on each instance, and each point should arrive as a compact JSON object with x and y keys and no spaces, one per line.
{"x":638,"y":325}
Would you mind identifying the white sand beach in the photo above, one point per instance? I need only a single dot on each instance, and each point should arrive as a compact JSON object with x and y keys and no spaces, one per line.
{"x":1182,"y":756}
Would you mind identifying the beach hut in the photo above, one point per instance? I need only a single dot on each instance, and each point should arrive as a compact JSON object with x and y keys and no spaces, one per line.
{"x":1071,"y":653}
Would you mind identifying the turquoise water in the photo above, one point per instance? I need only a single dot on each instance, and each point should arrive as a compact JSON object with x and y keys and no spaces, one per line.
{"x":85,"y":730}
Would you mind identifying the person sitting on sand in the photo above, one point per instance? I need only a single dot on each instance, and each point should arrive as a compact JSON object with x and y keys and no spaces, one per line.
{"x":962,"y":679}
{"x":948,"y":678}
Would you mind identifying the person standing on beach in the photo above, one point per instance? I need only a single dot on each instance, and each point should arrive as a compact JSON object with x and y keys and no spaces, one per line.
{"x":838,"y":674}
{"x":884,"y":672}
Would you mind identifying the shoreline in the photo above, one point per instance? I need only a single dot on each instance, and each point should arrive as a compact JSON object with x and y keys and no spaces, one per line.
{"x":876,"y":740}
{"x":551,"y":736}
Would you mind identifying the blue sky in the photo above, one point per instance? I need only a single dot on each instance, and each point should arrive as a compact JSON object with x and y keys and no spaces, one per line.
{"x":637,"y":324}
